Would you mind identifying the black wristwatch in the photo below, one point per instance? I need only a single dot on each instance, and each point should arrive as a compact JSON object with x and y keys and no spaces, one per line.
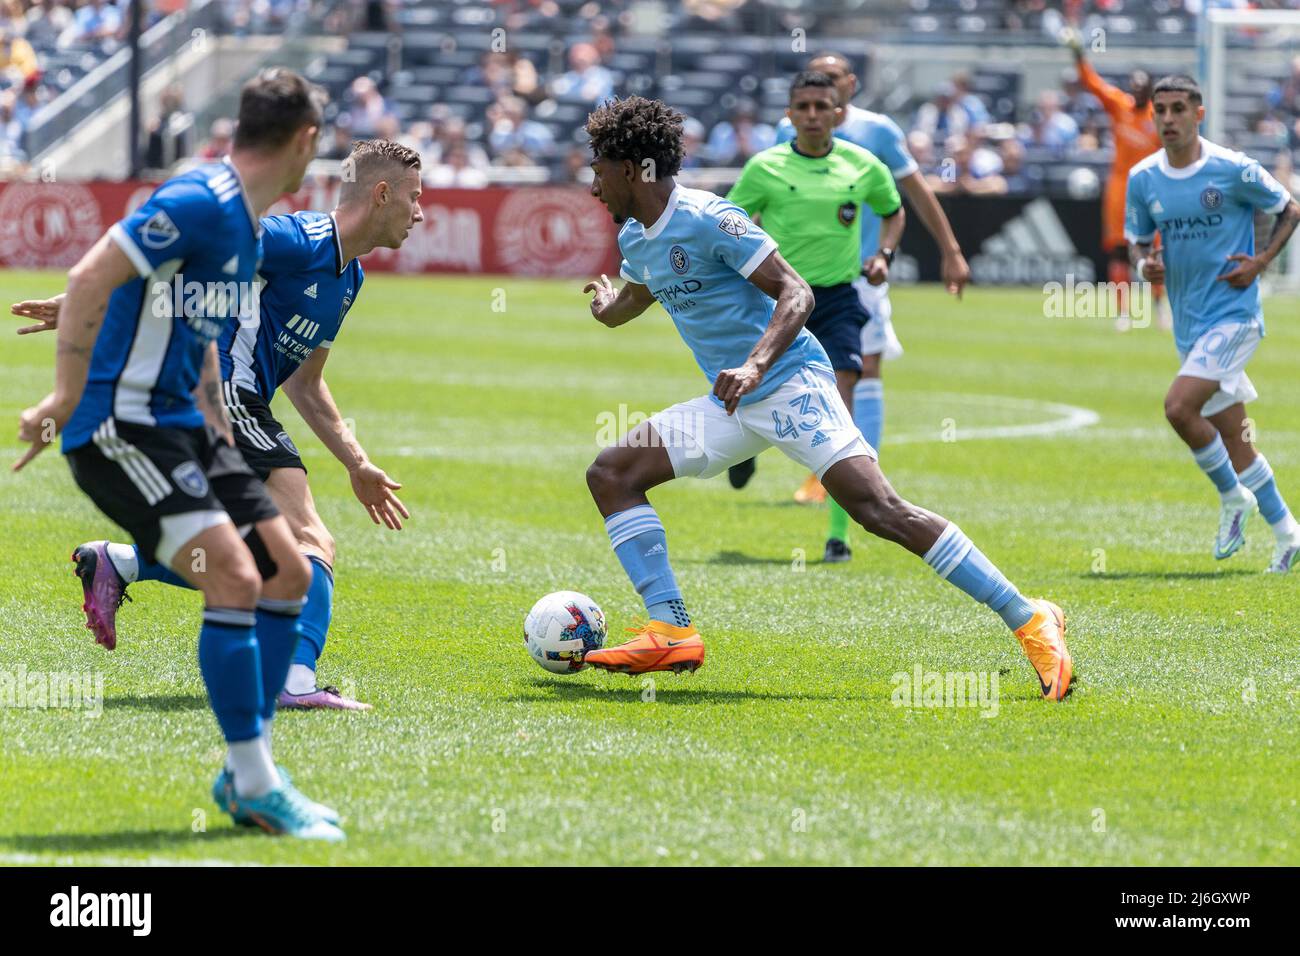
{"x":888,"y":255}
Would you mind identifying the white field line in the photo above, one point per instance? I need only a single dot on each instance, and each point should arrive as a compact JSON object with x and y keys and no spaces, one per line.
{"x":1065,"y":418}
{"x":95,"y":859}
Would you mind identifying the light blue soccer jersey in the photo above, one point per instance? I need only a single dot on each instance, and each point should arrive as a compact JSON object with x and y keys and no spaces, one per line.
{"x":877,"y":134}
{"x":696,"y":260}
{"x":307,"y":293}
{"x":1204,"y":213}
{"x":195,"y":244}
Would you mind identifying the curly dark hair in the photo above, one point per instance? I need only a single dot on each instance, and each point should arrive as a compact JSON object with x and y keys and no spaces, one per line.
{"x":638,"y":129}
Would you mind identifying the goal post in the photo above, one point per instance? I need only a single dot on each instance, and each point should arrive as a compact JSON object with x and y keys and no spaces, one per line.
{"x":1243,"y":55}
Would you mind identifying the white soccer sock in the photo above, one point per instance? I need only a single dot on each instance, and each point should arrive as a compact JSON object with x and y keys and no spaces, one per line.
{"x":301,"y":680}
{"x":254,"y":770}
{"x":124,"y":560}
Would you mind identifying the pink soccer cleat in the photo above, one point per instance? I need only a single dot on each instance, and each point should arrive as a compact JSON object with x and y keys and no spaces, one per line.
{"x":103,"y":589}
{"x":322,"y":698}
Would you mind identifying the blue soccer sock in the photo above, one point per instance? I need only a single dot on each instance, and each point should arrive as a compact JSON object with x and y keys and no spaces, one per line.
{"x":869,"y":409}
{"x":1258,"y":477}
{"x":230,"y":663}
{"x":316,"y":615}
{"x":955,"y":558}
{"x":1214,"y":461}
{"x":278,"y":632}
{"x":641,"y":545}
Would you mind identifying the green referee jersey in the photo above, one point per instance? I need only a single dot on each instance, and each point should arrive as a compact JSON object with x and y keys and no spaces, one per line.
{"x":811,"y":205}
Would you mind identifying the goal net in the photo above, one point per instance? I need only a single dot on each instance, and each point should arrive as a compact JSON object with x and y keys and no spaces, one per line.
{"x":1250,"y":66}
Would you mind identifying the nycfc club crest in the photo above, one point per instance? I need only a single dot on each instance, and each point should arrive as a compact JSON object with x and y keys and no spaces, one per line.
{"x":1211,"y":198}
{"x":679,"y":259}
{"x":189,"y":478}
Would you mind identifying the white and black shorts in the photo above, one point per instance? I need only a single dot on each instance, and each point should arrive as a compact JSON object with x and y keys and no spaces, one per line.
{"x":264,"y":442}
{"x":167,"y":485}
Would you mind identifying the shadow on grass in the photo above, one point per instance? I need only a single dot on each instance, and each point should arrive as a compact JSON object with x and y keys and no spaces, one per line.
{"x":627,"y":689}
{"x":1169,"y":575}
{"x":732,"y":558}
{"x":160,"y":702}
{"x":157,"y":840}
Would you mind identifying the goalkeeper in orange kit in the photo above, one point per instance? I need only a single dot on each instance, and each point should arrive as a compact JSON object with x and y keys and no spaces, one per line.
{"x":1134,"y":132}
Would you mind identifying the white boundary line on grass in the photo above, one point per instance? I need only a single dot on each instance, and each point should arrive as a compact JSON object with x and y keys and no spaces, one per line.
{"x":94,"y":859}
{"x":1068,"y":418}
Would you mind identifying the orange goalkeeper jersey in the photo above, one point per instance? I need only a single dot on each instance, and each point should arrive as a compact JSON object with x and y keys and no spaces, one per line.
{"x":1134,"y":129}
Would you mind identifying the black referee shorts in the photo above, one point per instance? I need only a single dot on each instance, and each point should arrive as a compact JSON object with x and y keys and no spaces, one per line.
{"x":837,"y":319}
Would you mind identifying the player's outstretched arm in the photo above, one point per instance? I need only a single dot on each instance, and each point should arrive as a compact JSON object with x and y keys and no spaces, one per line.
{"x":953,"y":270}
{"x":612,"y":307}
{"x":794,"y":303}
{"x":310,"y":395}
{"x":45,"y":311}
{"x":90,"y":284}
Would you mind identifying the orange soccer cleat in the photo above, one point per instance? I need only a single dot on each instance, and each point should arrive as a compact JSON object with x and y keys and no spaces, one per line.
{"x":810,"y":492}
{"x":1043,"y":641}
{"x":658,"y":646}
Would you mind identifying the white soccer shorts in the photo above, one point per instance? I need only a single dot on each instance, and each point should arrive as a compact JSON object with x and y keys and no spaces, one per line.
{"x":878,"y":336}
{"x":1221,"y":355}
{"x":805,"y":418}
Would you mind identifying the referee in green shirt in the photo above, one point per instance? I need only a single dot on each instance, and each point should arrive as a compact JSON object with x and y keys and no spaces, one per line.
{"x":808,"y":196}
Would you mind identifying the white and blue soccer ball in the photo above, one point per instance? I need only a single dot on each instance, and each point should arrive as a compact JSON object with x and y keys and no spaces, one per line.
{"x":561,"y":628}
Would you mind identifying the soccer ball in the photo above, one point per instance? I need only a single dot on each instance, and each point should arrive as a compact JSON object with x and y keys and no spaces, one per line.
{"x":561,"y":628}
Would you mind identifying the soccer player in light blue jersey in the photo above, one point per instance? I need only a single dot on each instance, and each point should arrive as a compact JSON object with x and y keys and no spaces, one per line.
{"x":741,"y":308}
{"x":137,"y":401}
{"x":1202,"y":199}
{"x":311,"y":277}
{"x":880,"y":135}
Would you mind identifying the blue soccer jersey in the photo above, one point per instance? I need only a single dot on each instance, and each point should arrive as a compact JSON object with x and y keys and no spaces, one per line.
{"x":877,"y":134}
{"x":195,"y":245}
{"x":696,"y":260}
{"x":307,"y":291}
{"x":1204,"y":213}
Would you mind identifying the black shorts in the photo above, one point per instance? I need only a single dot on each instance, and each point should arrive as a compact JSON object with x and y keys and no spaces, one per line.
{"x":262,"y":440}
{"x":140,"y":475}
{"x":837,"y":319}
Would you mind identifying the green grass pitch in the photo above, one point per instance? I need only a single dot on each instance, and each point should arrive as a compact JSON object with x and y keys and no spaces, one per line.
{"x":1179,"y":745}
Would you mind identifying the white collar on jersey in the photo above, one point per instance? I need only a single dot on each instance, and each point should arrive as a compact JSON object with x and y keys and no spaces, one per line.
{"x":253,"y":217}
{"x":1186,"y":172}
{"x":660,"y":224}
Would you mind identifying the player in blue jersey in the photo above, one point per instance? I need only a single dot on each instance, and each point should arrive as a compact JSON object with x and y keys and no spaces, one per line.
{"x":311,"y":277}
{"x":741,"y":309}
{"x":137,"y":400}
{"x":880,"y":135}
{"x":1202,"y":199}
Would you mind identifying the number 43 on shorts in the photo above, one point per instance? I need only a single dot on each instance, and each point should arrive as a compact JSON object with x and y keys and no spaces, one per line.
{"x":809,"y":418}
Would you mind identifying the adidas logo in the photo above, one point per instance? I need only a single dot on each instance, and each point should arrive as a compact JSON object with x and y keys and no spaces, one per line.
{"x":1156,"y":208}
{"x":231,"y":267}
{"x":310,"y":291}
{"x":819,"y":438}
{"x":645,"y":274}
{"x":657,"y":549}
{"x":1032,"y":246}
